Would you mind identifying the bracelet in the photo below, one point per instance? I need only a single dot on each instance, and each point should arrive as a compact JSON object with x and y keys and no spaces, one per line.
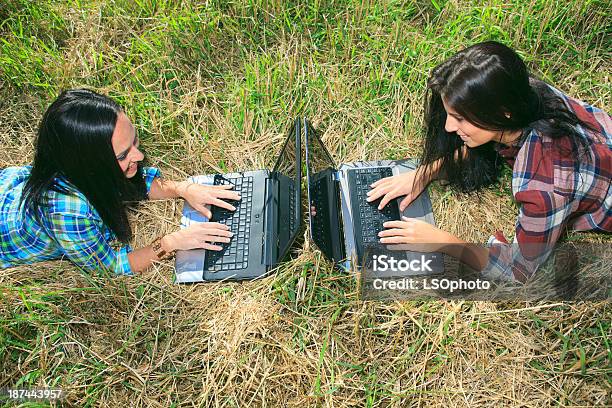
{"x":160,"y":252}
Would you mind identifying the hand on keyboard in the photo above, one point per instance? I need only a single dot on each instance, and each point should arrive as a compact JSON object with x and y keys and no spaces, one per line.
{"x":198,"y":196}
{"x":410,"y":184}
{"x":411,"y":234}
{"x":203,"y":235}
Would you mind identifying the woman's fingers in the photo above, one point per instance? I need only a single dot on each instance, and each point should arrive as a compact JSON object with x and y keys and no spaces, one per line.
{"x":226,"y":194}
{"x":204,"y":211}
{"x":393,"y":232}
{"x":215,"y":238}
{"x":406,"y":202}
{"x":393,"y":187}
{"x":385,"y":200}
{"x":223,"y":191}
{"x":211,"y":247}
{"x":379,"y":188}
{"x":215,"y":228}
{"x":208,"y":229}
{"x":222,"y":204}
{"x":394,"y":240}
{"x":388,"y":191}
{"x":399,"y":224}
{"x":213,"y":224}
{"x":212,"y":239}
{"x":382,"y":181}
{"x":208,"y":234}
{"x":374,"y":194}
{"x":387,"y":181}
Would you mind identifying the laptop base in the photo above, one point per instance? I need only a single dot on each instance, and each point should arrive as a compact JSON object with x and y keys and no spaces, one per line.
{"x":420,"y":208}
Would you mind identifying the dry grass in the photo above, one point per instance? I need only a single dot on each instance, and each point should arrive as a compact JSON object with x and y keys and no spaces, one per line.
{"x":213,"y":87}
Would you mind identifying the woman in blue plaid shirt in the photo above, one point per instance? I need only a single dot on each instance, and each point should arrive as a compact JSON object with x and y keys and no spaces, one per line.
{"x":71,"y":202}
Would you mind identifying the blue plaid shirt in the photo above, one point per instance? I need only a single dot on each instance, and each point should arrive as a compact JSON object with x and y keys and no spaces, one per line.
{"x":71,"y":228}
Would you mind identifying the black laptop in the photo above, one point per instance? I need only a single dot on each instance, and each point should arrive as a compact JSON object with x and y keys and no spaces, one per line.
{"x":265,"y":224}
{"x":343,"y":225}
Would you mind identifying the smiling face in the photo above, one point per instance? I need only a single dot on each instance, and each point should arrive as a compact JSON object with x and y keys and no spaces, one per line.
{"x":471,"y":134}
{"x":125,"y":145}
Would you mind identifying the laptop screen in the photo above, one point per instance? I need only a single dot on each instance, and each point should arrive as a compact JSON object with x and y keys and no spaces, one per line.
{"x":325,"y":227}
{"x":318,"y":158}
{"x":287,"y":173}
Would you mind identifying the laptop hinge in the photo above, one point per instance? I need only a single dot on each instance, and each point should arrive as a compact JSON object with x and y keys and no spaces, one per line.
{"x":270,"y":235}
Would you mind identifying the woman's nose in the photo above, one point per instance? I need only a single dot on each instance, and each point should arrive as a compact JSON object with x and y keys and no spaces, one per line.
{"x":138,"y":156}
{"x":451,"y":124}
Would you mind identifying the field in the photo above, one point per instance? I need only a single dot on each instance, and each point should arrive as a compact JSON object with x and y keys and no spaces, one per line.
{"x":213,"y":86}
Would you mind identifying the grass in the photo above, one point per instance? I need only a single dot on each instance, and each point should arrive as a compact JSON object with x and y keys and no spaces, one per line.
{"x":213,"y":86}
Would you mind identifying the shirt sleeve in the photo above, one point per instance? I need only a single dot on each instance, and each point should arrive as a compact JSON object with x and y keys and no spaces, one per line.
{"x":149,"y":174}
{"x":83,"y":242}
{"x":540,"y":222}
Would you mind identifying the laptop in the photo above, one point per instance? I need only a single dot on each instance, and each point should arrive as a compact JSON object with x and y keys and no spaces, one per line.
{"x":266,"y":221}
{"x":343,"y":225}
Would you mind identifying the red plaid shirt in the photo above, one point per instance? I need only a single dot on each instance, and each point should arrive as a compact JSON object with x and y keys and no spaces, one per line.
{"x":555,"y":190}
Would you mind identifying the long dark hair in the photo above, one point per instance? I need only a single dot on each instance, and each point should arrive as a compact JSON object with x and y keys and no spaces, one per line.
{"x":74,"y":143}
{"x":489,"y":85}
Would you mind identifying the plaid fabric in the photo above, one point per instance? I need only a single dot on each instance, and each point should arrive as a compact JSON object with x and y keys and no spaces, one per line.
{"x":555,"y":191}
{"x":72,"y":228}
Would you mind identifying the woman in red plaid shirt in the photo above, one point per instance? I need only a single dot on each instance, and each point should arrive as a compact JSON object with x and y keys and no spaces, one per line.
{"x":484,"y":108}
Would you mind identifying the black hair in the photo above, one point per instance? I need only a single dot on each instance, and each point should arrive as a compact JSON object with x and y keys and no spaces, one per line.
{"x":489,"y":85}
{"x":74,"y":143}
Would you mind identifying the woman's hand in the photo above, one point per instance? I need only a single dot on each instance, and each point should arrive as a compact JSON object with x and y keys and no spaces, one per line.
{"x":418,"y":235}
{"x":410,"y":184}
{"x":198,"y":236}
{"x":198,"y":196}
{"x":411,"y":234}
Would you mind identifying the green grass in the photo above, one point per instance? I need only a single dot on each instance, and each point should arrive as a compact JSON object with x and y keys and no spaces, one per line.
{"x":213,"y":86}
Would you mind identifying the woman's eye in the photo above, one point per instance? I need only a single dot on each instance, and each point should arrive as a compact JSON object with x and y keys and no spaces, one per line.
{"x":122,"y":157}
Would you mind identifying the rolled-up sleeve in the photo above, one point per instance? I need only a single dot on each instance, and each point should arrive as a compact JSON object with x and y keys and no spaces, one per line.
{"x":541,"y":219}
{"x":149,"y":174}
{"x":83,"y":242}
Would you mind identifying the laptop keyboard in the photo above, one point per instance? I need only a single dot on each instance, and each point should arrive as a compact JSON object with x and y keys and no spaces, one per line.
{"x":320,"y":223}
{"x":368,"y":220}
{"x":292,"y":206}
{"x":235,"y":254}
